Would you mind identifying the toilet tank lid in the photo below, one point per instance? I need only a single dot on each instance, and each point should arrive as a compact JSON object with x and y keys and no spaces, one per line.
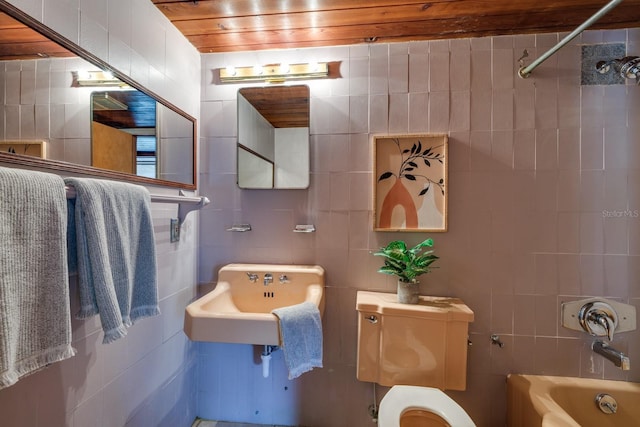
{"x":429,"y":307}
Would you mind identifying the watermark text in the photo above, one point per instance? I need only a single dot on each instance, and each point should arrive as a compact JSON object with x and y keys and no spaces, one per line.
{"x":627,"y":213}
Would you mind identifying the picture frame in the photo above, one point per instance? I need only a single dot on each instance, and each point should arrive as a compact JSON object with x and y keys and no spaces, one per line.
{"x":410,"y":189}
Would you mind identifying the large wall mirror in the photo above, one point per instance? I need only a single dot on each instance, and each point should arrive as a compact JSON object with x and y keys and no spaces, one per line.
{"x":62,"y":112}
{"x":273,"y":137}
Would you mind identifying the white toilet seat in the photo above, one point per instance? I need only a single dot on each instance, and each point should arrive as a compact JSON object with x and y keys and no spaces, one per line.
{"x":402,"y":398}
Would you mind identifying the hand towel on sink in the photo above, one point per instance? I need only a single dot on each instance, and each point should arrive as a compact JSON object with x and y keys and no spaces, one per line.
{"x":35,"y":319}
{"x":116,"y":253}
{"x":301,"y":337}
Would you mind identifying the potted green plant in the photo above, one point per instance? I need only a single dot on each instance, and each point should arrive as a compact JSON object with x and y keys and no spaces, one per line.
{"x":407,"y":264}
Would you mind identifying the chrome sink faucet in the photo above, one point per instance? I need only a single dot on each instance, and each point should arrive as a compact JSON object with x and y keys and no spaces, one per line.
{"x":268,"y":279}
{"x":618,"y":358}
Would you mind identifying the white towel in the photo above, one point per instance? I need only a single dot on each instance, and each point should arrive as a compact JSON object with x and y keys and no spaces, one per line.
{"x":116,"y":256}
{"x":301,"y":336}
{"x":35,"y":323}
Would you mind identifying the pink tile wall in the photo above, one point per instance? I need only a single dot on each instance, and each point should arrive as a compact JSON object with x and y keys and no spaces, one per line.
{"x":146,"y":378}
{"x":41,"y":103}
{"x":543,"y":209}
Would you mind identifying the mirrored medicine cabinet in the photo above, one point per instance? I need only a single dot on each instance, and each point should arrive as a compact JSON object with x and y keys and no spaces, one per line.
{"x":273,"y":137}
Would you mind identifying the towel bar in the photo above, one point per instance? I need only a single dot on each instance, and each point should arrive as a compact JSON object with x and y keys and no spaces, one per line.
{"x":186,"y":204}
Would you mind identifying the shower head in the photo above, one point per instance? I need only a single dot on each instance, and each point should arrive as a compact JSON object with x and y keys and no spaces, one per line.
{"x":628,"y":67}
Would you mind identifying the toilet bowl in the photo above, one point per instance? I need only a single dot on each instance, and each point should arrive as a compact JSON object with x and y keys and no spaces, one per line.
{"x":415,"y":406}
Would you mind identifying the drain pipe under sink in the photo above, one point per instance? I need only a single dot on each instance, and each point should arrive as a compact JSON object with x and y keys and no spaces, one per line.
{"x":266,"y":359}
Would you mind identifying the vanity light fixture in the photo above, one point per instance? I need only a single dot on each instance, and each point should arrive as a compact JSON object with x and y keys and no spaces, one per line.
{"x":274,"y":73}
{"x":97,"y":78}
{"x":104,"y":102}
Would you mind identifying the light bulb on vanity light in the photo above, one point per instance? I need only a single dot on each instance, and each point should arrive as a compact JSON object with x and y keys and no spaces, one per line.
{"x":274,"y":72}
{"x":84,"y":75}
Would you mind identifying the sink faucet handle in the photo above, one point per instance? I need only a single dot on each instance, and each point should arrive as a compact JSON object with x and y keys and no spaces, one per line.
{"x":284,"y":279}
{"x":253,"y":278}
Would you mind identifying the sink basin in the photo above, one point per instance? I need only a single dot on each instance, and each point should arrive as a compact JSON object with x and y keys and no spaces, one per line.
{"x":238,"y":310}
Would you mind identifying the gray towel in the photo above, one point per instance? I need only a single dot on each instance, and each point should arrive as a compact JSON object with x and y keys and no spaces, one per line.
{"x":116,"y":257}
{"x":301,"y":336}
{"x":35,"y":323}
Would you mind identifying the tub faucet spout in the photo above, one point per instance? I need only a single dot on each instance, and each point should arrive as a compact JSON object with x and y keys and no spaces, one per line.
{"x":618,"y":358}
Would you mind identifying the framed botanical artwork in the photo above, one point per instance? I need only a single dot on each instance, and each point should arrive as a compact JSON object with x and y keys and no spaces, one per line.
{"x":410,"y":182}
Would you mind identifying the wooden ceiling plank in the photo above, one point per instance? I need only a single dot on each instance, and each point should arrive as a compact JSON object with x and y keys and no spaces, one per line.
{"x":459,"y":27}
{"x":376,"y":15}
{"x":291,"y":110}
{"x":243,"y":47}
{"x":19,"y":42}
{"x":299,"y":20}
{"x":355,"y":41}
{"x":7,"y":21}
{"x":21,"y":35}
{"x":215,"y":9}
{"x":211,"y":9}
{"x":45,"y":49}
